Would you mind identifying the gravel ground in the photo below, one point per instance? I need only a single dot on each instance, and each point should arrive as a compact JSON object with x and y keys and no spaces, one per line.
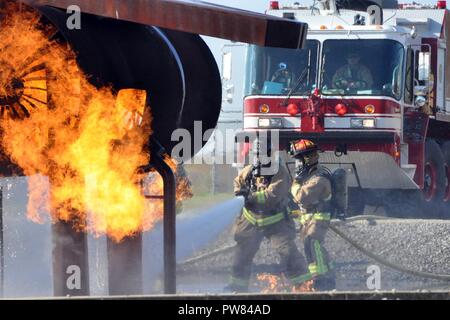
{"x":422,"y":245}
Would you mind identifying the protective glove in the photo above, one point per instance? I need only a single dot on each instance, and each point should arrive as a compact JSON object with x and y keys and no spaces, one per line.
{"x":243,"y":192}
{"x":252,"y":198}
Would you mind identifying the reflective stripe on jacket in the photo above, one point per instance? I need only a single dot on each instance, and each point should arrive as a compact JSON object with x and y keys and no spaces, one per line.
{"x":314,"y":194}
{"x":262,"y":222}
{"x":271,"y":198}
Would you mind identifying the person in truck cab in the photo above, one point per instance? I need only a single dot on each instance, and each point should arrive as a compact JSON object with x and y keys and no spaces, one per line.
{"x":353,"y":75}
{"x":284,"y":76}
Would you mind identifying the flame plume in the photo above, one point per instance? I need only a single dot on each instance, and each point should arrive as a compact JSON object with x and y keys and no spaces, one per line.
{"x":88,"y":141}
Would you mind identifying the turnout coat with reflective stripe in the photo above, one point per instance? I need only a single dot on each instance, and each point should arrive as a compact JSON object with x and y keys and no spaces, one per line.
{"x":270,"y":199}
{"x":313,"y":194}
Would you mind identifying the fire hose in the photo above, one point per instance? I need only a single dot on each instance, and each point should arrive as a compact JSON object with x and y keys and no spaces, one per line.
{"x":383,"y":261}
{"x":340,"y":233}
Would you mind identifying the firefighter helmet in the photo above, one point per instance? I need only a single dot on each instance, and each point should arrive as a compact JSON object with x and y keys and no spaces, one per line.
{"x":303,"y":147}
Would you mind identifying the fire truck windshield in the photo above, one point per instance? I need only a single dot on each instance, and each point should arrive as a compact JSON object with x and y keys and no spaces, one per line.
{"x":362,"y":67}
{"x":275,"y":71}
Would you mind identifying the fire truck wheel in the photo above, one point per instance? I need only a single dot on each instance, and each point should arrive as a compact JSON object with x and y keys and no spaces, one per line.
{"x":433,"y":192}
{"x":446,"y":152}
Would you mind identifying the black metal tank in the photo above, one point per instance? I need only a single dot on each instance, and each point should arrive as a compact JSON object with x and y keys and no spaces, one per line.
{"x":177,"y":69}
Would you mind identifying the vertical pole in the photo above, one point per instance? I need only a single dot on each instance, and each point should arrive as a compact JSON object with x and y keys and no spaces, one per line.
{"x":2,"y":248}
{"x":213,"y":179}
{"x":70,"y":261}
{"x":169,"y":181}
{"x":213,"y":169}
{"x":125,"y":266}
{"x":170,"y":259}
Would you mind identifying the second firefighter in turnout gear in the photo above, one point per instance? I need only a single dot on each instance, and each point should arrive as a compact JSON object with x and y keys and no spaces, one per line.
{"x":265,"y":215}
{"x":312,"y":192}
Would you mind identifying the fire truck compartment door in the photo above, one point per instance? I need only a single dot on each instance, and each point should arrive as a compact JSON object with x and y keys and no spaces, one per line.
{"x":369,"y":170}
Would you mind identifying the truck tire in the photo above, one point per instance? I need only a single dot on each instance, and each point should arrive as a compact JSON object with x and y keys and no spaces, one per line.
{"x":434,"y":189}
{"x":446,"y":152}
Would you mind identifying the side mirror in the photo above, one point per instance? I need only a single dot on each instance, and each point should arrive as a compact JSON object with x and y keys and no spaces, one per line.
{"x":421,"y":90}
{"x":424,"y":66}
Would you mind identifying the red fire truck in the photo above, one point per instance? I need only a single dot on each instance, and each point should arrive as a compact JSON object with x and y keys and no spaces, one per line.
{"x":372,"y":87}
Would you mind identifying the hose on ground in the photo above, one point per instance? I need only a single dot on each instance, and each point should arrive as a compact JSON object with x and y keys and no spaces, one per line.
{"x":228,"y":248}
{"x":208,"y":255}
{"x":381,"y":260}
{"x":340,"y":233}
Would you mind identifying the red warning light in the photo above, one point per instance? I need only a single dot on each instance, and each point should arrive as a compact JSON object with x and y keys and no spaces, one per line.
{"x":274,"y":5}
{"x":341,"y":109}
{"x":292,"y":109}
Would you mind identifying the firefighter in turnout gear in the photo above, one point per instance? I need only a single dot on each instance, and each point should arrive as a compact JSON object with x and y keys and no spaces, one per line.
{"x":265,"y":215}
{"x":312,"y":192}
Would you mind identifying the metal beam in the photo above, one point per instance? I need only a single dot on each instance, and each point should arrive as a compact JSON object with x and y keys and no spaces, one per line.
{"x":196,"y":17}
{"x":125,"y":266}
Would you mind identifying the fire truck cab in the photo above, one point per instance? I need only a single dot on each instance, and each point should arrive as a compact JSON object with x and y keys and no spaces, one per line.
{"x":372,"y":87}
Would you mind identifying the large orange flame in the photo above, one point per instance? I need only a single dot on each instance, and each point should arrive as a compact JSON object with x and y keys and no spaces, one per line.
{"x":87,"y":141}
{"x":270,"y":283}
